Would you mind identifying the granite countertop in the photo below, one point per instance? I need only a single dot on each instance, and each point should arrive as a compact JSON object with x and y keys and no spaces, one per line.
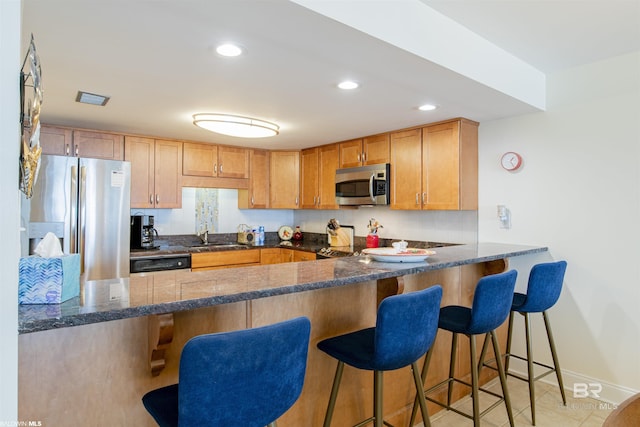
{"x":106,"y":300}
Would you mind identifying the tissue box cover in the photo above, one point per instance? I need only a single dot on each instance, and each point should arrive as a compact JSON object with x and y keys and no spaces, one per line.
{"x":48,"y":280}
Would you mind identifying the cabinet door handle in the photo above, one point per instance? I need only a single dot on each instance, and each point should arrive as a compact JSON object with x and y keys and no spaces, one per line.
{"x":318,"y":200}
{"x":252,"y":203}
{"x":296,"y":200}
{"x":77,"y":151}
{"x":68,"y":150}
{"x":151,"y":199}
{"x":220,"y":168}
{"x":358,"y":156}
{"x":157,"y":198}
{"x":424,"y":197}
{"x":215,"y":168}
{"x":417,"y":198}
{"x":364,"y":157}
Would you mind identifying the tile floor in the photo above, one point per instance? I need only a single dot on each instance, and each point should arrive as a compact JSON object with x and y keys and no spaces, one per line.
{"x":579,"y":412}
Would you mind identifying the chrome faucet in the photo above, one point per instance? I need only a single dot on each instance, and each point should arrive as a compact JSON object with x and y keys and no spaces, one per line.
{"x":204,"y":236}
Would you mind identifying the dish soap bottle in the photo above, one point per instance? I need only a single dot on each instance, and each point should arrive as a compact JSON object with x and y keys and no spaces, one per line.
{"x":297,"y":234}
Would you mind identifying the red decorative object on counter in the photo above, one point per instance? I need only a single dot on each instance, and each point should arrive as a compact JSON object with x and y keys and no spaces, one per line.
{"x":297,"y":234}
{"x":372,"y":240}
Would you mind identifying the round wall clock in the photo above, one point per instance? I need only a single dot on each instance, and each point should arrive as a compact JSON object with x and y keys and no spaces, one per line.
{"x":511,"y":161}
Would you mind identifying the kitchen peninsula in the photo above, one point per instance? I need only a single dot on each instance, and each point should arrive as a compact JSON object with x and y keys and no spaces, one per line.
{"x":64,"y":370}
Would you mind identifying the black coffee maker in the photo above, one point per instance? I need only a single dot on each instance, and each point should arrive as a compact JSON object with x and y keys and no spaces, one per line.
{"x":142,"y":232}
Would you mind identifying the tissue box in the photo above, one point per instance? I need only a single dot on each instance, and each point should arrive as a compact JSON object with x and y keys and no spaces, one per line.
{"x":48,"y":280}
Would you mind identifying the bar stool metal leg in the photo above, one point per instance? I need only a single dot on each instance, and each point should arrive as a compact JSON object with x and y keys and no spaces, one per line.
{"x":420,"y":391}
{"x":377,"y":398}
{"x":475,"y":398}
{"x":554,"y":355}
{"x":531,"y":378}
{"x":334,"y":393}
{"x":452,"y":364}
{"x":503,"y":377}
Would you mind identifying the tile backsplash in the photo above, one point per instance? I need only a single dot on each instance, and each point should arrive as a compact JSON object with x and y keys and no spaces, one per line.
{"x":434,"y":226}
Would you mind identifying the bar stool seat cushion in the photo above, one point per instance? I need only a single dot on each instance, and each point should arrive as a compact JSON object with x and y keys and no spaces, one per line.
{"x":543,"y":290}
{"x":404,"y":332}
{"x":243,"y":378}
{"x":488,"y":311}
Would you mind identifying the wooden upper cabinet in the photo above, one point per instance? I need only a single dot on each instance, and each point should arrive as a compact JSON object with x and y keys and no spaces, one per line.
{"x":141,"y":153}
{"x":56,"y":141}
{"x":406,"y":167}
{"x":317,"y":177}
{"x":309,"y":178}
{"x":284,"y":179}
{"x":436,"y":167}
{"x":215,"y":161}
{"x":376,"y":149}
{"x":328,"y":161}
{"x":168,"y":168}
{"x":371,"y":150}
{"x":81,"y":143}
{"x":233,"y":162}
{"x":351,"y":153}
{"x":199,"y":159}
{"x":257,"y":195}
{"x":450,"y":166}
{"x":98,"y":145}
{"x":155,"y":172}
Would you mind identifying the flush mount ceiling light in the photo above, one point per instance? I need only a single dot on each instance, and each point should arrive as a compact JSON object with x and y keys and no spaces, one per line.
{"x":427,"y":107}
{"x":348,"y":85}
{"x":242,"y":127}
{"x":92,"y":98}
{"x":229,"y":49}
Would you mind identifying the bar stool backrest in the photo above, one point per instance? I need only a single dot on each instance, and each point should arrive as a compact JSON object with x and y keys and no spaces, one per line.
{"x":243,"y":378}
{"x":406,"y":326}
{"x":544,"y":287}
{"x":491,"y":302}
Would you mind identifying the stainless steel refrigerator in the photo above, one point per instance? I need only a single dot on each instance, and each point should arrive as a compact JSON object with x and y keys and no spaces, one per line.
{"x":85,"y":203}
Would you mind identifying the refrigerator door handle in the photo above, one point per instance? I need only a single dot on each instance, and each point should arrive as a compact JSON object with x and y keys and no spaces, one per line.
{"x":73,"y":202}
{"x":82,"y":216}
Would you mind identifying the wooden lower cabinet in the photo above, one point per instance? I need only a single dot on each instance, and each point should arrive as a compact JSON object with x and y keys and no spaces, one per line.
{"x":299,"y":256}
{"x":224,"y":259}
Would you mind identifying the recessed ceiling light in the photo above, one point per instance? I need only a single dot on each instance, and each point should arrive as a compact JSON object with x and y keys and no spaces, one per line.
{"x":427,"y":107}
{"x":91,"y":98}
{"x":229,"y":49}
{"x":240,"y":126}
{"x":348,"y":85}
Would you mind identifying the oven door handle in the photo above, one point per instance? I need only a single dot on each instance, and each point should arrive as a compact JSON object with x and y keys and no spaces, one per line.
{"x":371,"y":179}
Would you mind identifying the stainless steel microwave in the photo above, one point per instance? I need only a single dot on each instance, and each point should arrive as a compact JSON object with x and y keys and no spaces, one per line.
{"x":363,"y":186}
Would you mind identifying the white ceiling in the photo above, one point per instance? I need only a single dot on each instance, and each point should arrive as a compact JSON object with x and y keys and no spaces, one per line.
{"x":155,"y":59}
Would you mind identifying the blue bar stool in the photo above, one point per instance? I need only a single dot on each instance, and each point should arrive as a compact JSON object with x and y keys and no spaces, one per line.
{"x":245,"y":378}
{"x":543,"y":291}
{"x":406,"y":326}
{"x":490,"y":308}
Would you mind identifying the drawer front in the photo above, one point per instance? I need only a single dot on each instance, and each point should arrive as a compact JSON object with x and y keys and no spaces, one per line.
{"x":224,"y":258}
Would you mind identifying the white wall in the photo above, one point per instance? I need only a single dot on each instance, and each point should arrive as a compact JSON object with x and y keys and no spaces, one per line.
{"x":183,"y":221}
{"x":579,"y":194}
{"x":441,"y":226}
{"x":10,"y":214}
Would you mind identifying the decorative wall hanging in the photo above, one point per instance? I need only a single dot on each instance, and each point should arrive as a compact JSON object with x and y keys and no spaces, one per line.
{"x":30,"y":149}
